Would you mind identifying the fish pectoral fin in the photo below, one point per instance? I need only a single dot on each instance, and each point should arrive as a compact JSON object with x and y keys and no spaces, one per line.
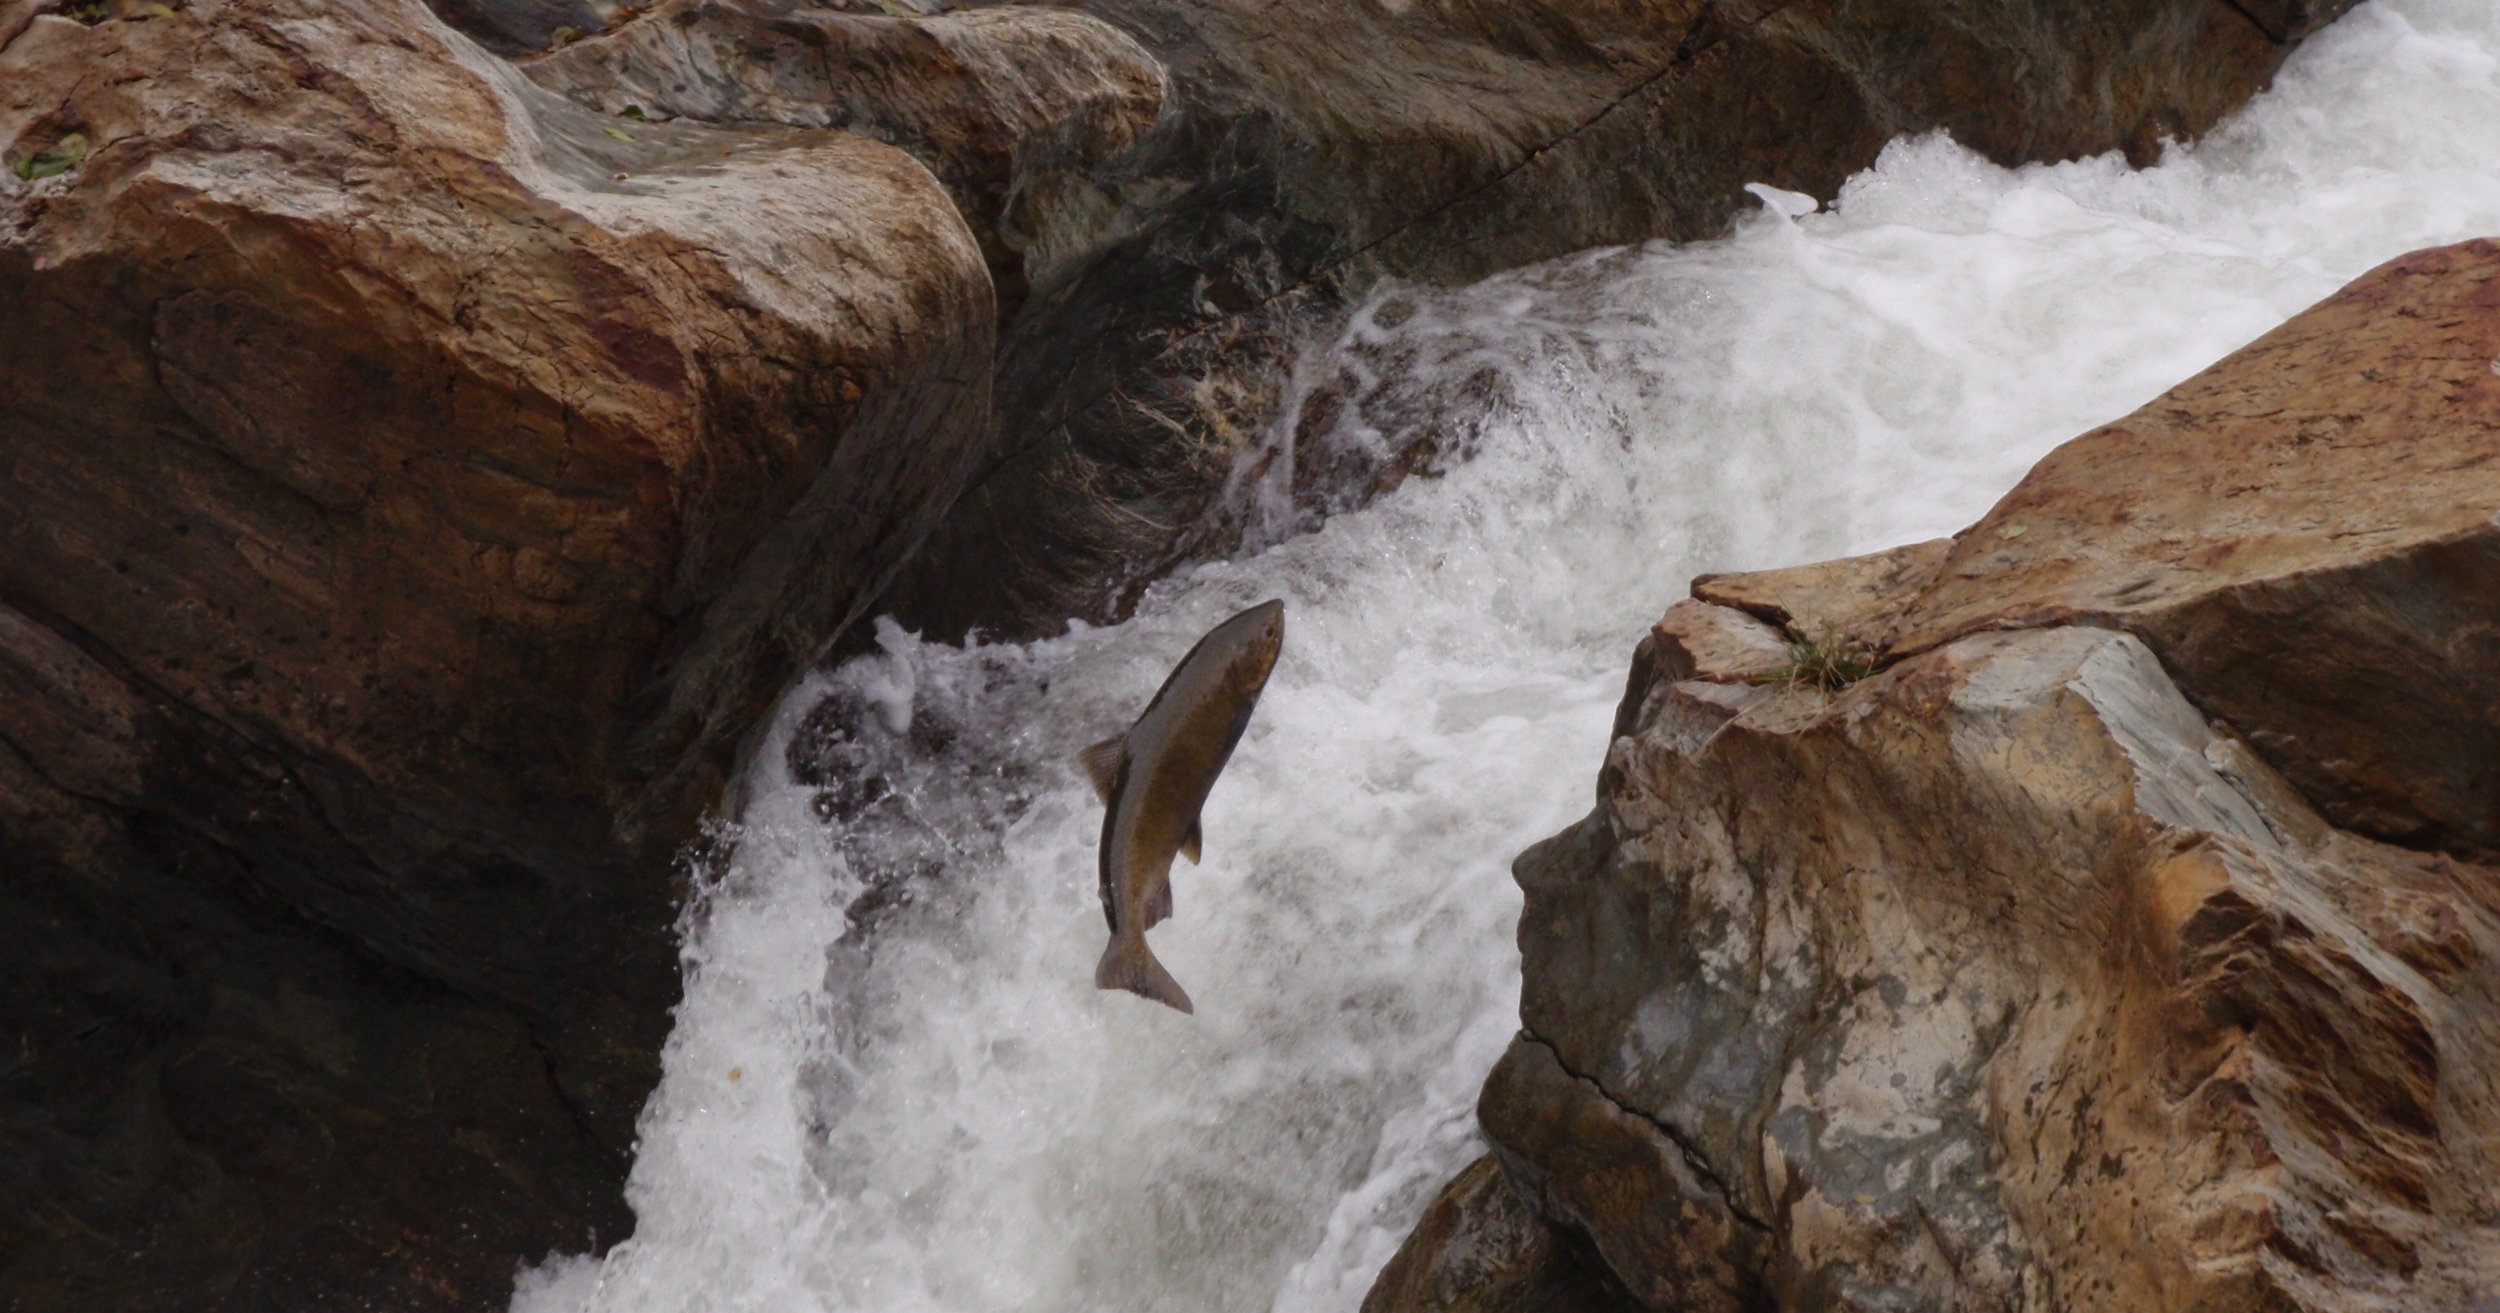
{"x":1159,"y":907}
{"x":1102,"y":765}
{"x":1191,"y":844}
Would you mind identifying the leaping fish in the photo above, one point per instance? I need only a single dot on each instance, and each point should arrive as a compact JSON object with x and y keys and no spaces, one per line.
{"x":1154,"y":778}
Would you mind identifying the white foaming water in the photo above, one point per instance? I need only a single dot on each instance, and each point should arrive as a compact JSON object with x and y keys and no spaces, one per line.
{"x":940,"y":1112}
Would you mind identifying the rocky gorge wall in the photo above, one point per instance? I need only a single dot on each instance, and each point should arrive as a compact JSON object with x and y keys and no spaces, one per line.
{"x":419,"y":471}
{"x":2094,"y":910}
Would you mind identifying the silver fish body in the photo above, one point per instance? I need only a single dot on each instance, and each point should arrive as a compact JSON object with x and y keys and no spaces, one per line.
{"x":1155,"y":778}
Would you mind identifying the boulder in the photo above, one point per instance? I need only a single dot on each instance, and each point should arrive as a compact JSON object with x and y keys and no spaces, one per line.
{"x":1175,"y":193}
{"x":421,"y":476}
{"x":2046,"y":942}
{"x":1011,"y":107}
{"x":2308,"y":533}
{"x":415,"y":484}
{"x":2001,"y":979}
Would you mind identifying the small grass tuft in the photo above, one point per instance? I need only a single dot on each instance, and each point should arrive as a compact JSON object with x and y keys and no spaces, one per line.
{"x":1829,"y":663}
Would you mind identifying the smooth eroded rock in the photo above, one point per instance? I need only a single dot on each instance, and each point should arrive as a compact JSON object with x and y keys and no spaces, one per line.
{"x":1014,"y":108}
{"x":414,"y":487}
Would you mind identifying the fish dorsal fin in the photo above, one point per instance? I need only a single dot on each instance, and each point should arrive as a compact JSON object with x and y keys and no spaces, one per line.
{"x":1192,"y":843}
{"x":1159,"y":907}
{"x":1102,"y":764}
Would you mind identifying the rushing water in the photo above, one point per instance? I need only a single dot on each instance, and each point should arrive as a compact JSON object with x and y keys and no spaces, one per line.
{"x":939,"y":1112}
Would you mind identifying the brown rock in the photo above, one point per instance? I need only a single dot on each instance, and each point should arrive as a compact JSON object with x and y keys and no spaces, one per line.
{"x":1699,"y":641}
{"x":1481,"y":1249}
{"x":2308,"y":533}
{"x":1013,"y":108}
{"x":1830,"y":599}
{"x":1305,"y":152}
{"x":2002,"y":979}
{"x":2005,"y":977}
{"x":414,"y":487}
{"x":1657,"y":1218}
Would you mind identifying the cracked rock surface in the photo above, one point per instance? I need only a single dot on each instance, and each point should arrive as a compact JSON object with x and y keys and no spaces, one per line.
{"x":2049,"y":967}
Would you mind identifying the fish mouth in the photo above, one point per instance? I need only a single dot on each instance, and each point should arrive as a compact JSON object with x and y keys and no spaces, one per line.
{"x":1271,"y":615}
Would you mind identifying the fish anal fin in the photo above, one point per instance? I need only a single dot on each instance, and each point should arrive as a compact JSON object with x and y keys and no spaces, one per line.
{"x":1102,"y":764}
{"x":1159,"y":907}
{"x":1191,"y":844}
{"x":1126,"y":964}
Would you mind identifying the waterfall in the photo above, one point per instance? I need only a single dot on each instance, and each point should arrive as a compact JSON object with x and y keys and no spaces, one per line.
{"x":937,"y":1110}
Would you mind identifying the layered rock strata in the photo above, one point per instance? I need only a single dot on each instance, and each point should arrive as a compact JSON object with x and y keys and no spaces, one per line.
{"x":2116,"y":931}
{"x":414,"y":486}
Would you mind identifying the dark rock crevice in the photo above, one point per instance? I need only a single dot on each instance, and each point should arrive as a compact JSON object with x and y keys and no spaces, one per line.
{"x":1684,"y":1142}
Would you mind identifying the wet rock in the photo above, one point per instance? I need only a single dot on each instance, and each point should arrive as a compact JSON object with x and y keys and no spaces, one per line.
{"x":1481,"y":1249}
{"x":1013,"y":108}
{"x":2308,"y":533}
{"x":417,"y":484}
{"x":2064,"y":961}
{"x":1303,"y":154}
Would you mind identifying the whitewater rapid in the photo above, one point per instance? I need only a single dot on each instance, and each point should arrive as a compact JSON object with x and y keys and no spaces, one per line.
{"x":940,"y":1112}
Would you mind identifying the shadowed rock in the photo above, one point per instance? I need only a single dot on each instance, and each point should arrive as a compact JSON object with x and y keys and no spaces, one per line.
{"x":415,"y":487}
{"x":417,"y":483}
{"x":1224,"y":177}
{"x":1481,"y":1249}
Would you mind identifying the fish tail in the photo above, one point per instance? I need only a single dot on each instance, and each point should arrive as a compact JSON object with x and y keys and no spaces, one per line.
{"x":1128,"y":964}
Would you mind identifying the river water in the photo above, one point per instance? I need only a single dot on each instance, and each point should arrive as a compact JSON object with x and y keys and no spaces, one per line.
{"x":938,"y":1111}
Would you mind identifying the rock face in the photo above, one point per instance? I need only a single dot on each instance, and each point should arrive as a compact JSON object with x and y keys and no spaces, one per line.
{"x":419,"y":476}
{"x":2048,"y":966}
{"x":1013,"y":108}
{"x":1230,"y":174}
{"x":414,"y":487}
{"x":2308,"y":533}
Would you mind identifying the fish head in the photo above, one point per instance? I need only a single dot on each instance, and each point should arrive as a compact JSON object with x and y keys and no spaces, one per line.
{"x":1257,"y":653}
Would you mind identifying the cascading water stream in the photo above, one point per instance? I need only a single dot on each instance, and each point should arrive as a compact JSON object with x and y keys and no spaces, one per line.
{"x":939,"y":1112}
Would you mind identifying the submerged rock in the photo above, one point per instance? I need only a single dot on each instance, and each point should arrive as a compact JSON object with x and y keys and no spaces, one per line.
{"x":2047,"y":967}
{"x":416,"y":485}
